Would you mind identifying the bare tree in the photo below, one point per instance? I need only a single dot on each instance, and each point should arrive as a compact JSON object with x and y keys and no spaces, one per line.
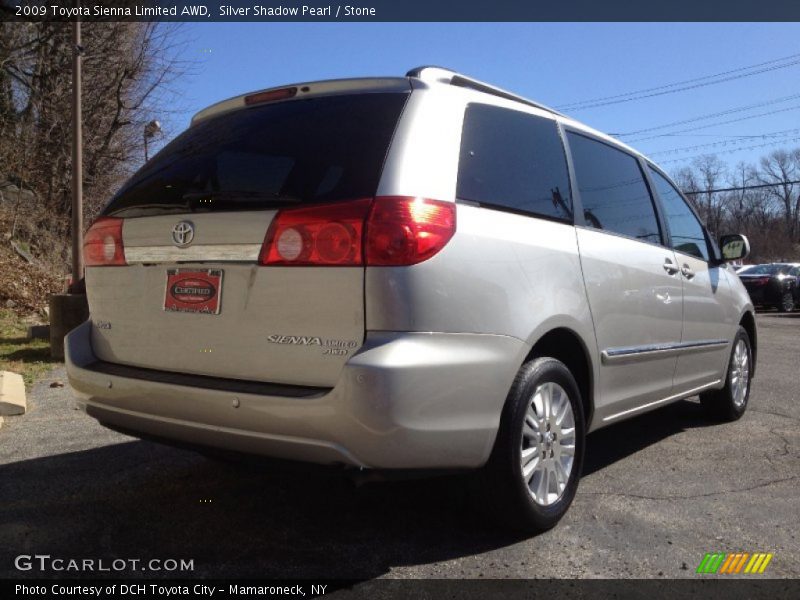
{"x":758,"y":212}
{"x":781,"y":168}
{"x":129,"y":76}
{"x":710,"y":173}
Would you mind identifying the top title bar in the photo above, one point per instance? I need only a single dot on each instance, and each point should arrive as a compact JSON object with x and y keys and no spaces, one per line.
{"x":401,"y":10}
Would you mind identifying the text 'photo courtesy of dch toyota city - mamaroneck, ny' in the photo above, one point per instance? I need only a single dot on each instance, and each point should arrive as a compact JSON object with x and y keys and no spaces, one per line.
{"x":398,"y":300}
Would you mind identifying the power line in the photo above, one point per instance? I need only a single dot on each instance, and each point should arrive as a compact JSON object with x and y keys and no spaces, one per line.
{"x":728,"y":135}
{"x":765,"y":145}
{"x":713,"y":115}
{"x":743,"y":188}
{"x":741,"y":139}
{"x":687,"y":84}
{"x":765,"y":114}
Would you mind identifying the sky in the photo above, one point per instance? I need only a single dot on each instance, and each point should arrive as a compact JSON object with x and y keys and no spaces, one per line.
{"x":553,"y":63}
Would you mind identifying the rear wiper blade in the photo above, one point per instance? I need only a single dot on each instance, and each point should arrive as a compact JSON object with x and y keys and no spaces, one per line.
{"x":264,"y":199}
{"x":134,"y":210}
{"x":239,"y":194}
{"x":271,"y":197}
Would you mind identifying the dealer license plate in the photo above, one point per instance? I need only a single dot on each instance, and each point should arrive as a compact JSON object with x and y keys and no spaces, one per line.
{"x":195,"y":291}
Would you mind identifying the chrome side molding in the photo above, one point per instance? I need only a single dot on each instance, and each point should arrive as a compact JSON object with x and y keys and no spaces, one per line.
{"x":616,"y":356}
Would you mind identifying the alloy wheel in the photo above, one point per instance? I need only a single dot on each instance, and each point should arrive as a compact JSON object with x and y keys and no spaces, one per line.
{"x":548,"y":443}
{"x":740,"y":373}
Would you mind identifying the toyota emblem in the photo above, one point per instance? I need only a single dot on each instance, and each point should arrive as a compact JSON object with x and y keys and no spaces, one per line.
{"x":183,"y":234}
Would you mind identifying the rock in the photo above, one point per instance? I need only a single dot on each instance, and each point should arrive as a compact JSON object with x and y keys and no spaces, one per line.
{"x":21,"y":249}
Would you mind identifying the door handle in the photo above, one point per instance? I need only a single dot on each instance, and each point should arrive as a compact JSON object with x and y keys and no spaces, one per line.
{"x":687,"y":272}
{"x":670,"y":267}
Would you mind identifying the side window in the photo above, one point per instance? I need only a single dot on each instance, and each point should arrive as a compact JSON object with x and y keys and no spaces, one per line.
{"x":613,"y":191}
{"x":687,"y":232}
{"x":513,"y":160}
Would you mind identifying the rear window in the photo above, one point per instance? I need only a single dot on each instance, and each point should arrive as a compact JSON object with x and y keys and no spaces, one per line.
{"x":317,"y":150}
{"x":513,"y":160}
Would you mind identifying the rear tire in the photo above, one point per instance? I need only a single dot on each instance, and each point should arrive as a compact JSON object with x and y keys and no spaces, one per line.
{"x":532,"y":475}
{"x":730,"y":403}
{"x":787,"y":302}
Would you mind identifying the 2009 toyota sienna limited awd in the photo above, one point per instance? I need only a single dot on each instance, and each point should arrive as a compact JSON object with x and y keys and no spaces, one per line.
{"x":420,"y":272}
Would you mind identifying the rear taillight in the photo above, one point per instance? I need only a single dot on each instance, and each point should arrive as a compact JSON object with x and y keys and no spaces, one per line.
{"x":321,"y":235}
{"x":761,"y":281}
{"x":386,"y":231}
{"x":407,"y":231}
{"x":102,"y":244}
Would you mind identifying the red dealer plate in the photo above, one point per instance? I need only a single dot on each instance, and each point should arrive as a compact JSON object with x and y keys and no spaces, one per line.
{"x":193,"y":291}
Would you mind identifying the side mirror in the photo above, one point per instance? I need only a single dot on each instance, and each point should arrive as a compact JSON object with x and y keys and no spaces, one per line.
{"x":734,"y":247}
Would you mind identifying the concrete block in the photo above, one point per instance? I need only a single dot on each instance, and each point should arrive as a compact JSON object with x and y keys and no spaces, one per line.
{"x":38,"y":332}
{"x":67,"y":311}
{"x":12,"y":394}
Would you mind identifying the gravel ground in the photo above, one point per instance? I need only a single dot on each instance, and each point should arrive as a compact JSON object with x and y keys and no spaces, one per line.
{"x":658,"y":492}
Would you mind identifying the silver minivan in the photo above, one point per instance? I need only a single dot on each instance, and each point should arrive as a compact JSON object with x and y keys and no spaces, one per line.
{"x":419,"y":272}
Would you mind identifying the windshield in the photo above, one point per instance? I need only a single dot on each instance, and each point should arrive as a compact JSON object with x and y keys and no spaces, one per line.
{"x":316,"y":150}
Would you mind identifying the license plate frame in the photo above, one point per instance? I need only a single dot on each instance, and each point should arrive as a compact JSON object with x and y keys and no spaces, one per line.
{"x":201,"y":292}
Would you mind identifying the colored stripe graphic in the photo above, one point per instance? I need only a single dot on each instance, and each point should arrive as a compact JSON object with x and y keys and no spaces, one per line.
{"x":764,"y":564}
{"x":744,"y":558}
{"x":723,"y":563}
{"x":703,"y":563}
{"x":728,"y":561}
{"x":711,"y":562}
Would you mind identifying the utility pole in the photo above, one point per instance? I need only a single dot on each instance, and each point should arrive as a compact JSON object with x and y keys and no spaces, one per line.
{"x":77,"y":156}
{"x":69,"y":310}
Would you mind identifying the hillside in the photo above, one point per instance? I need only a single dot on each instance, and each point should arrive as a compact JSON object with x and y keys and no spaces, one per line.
{"x":24,"y":286}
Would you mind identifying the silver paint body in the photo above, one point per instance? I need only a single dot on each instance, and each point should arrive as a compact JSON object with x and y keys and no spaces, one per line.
{"x":431,"y":349}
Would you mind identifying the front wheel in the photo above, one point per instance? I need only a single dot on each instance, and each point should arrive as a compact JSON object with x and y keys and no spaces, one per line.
{"x":533,"y":473}
{"x":729,"y":403}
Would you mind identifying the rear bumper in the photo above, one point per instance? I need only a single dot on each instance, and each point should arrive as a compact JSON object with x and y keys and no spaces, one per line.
{"x":405,"y":400}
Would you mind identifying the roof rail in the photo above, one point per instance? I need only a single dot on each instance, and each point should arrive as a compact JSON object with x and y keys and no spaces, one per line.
{"x":442,"y":75}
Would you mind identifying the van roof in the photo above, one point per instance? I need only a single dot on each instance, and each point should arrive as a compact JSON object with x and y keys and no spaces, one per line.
{"x":426,"y":75}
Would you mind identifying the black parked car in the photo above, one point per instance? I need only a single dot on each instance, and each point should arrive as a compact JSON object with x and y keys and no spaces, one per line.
{"x":775,"y":285}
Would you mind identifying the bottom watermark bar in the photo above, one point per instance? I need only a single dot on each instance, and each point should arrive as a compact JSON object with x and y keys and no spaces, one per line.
{"x":388,"y":589}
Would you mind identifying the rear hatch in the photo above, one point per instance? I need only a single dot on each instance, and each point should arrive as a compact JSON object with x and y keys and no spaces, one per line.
{"x":189,"y":292}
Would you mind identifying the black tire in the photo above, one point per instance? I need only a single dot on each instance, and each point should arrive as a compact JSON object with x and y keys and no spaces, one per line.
{"x":787,"y":302}
{"x":509,"y":497}
{"x":721,"y":404}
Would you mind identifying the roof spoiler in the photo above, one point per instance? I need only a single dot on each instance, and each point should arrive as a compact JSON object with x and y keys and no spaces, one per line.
{"x":449,"y":77}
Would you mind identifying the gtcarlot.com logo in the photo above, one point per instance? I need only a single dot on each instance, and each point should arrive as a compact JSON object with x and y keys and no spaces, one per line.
{"x":45,"y":562}
{"x":722,"y":563}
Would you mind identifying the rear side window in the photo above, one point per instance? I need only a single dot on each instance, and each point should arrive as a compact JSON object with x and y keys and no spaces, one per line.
{"x":316,"y":150}
{"x":684,"y":228}
{"x":613,"y":191}
{"x":513,"y":160}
